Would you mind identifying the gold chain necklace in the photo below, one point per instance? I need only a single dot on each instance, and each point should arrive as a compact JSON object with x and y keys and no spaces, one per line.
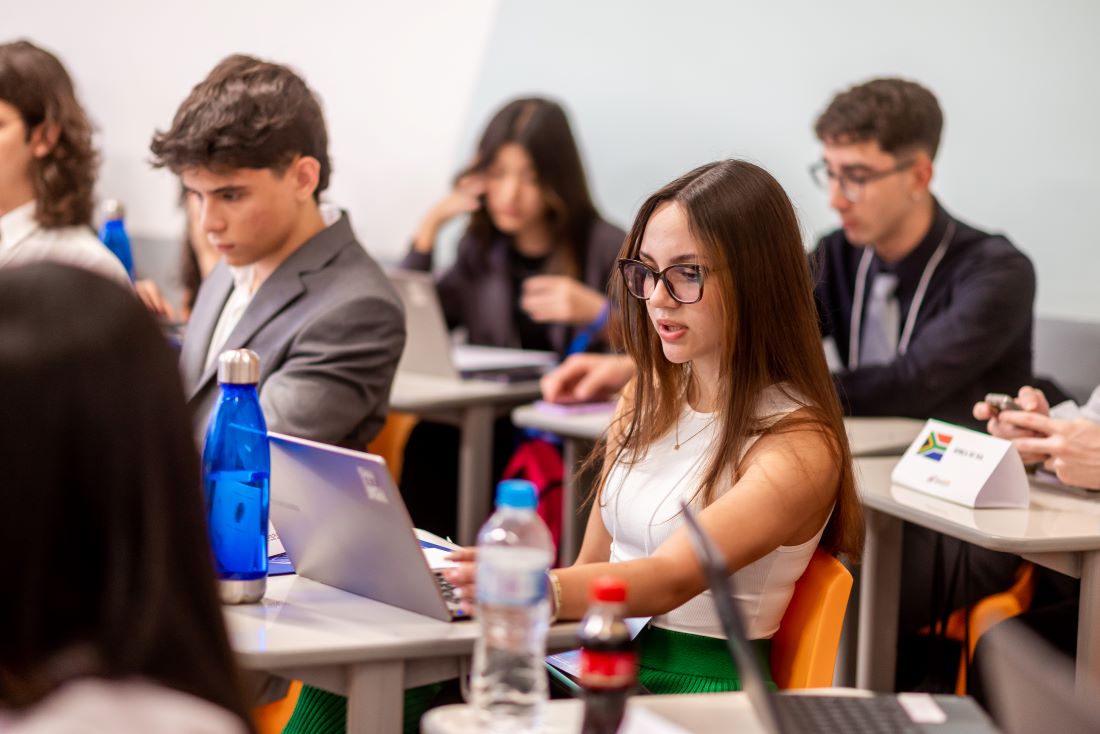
{"x":676,"y":446}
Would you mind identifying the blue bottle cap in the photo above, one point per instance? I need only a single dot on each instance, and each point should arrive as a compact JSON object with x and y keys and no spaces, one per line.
{"x":518,"y":493}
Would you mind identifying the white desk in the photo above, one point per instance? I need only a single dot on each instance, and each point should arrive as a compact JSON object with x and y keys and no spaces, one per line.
{"x":472,"y":405}
{"x":365,"y":650}
{"x":866,"y":436}
{"x":702,"y":713}
{"x":1058,"y":531}
{"x":720,"y":713}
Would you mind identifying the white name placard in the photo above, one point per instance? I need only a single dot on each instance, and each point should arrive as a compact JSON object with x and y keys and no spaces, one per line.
{"x":963,"y":466}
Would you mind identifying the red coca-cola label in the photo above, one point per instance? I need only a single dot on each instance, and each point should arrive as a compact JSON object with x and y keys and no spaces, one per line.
{"x":608,"y":669}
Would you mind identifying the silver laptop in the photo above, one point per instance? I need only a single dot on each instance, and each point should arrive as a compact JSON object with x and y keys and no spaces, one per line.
{"x":782,"y":714}
{"x":343,"y":523}
{"x":428,"y":347}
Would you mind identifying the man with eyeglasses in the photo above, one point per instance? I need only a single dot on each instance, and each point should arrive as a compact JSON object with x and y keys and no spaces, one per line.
{"x":927,"y":312}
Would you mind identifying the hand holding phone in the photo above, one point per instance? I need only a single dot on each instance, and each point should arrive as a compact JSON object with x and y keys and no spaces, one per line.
{"x":998,"y":401}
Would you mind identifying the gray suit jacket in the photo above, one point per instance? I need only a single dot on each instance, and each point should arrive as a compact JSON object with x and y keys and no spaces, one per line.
{"x":329,"y":329}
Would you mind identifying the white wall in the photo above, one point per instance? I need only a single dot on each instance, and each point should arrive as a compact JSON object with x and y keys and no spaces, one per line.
{"x":394,"y":80}
{"x":657,"y":88}
{"x":653,"y":88}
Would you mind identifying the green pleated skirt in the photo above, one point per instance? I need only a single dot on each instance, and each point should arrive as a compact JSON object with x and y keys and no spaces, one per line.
{"x":677,"y":662}
{"x":321,"y":712}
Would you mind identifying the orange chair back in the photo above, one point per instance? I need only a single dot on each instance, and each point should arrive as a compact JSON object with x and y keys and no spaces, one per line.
{"x":804,"y":649}
{"x":273,"y":717}
{"x":988,"y":612}
{"x":390,"y":441}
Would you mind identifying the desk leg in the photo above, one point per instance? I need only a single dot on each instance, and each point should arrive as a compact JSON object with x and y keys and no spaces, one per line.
{"x":375,"y":698}
{"x":879,"y":588}
{"x":844,"y":675}
{"x":567,"y":553}
{"x":475,"y":460}
{"x":1088,"y":621}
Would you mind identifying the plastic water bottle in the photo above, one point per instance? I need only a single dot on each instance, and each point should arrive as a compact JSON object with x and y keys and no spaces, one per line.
{"x":236,"y":469}
{"x":609,"y":663}
{"x":509,"y":686}
{"x":113,"y":235}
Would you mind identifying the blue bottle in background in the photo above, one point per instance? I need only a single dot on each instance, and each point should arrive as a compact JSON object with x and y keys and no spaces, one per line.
{"x":113,"y":234}
{"x":236,"y":469}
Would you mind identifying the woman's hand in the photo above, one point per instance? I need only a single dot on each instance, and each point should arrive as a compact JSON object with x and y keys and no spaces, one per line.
{"x":1030,"y":400}
{"x":1069,"y":449}
{"x":560,"y":299}
{"x":583,"y":378}
{"x":154,"y":300}
{"x":462,"y":576}
{"x":463,"y":199}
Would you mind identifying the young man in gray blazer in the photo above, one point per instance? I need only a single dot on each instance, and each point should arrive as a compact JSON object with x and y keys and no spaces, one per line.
{"x":294,"y":285}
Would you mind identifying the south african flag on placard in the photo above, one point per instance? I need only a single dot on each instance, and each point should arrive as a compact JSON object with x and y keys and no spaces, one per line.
{"x":935,"y":446}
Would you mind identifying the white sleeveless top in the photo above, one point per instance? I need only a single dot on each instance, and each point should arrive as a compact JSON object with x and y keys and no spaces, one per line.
{"x":641,"y":509}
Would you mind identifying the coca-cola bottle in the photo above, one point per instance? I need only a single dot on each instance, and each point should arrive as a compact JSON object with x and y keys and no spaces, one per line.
{"x":609,"y":663}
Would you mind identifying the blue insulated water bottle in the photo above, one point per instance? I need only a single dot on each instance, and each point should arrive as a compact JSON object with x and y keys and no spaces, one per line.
{"x":113,"y":235}
{"x":236,"y":468}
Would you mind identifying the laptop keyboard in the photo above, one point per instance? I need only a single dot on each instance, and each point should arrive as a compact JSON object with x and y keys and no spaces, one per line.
{"x":845,"y":715}
{"x":448,"y":590}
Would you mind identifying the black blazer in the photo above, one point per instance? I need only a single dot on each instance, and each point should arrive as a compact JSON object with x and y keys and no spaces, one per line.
{"x":972,"y":334}
{"x":478,"y":291}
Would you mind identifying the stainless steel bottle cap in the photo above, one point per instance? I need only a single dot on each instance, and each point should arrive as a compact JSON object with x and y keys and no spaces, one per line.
{"x":239,"y":367}
{"x":113,"y":209}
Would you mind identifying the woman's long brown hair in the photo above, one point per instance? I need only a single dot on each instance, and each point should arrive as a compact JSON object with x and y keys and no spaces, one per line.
{"x":750,"y":237}
{"x":541,"y":127}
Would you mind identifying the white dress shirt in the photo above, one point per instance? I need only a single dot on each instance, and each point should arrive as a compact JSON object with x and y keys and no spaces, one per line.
{"x":23,"y":240}
{"x":244,"y":287}
{"x":1070,"y":410}
{"x":232,"y":311}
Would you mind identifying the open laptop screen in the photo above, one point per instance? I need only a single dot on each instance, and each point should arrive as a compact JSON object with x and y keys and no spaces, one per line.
{"x":753,"y":681}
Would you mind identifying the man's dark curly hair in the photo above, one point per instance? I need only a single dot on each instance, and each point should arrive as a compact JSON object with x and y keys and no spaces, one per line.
{"x":247,"y":113}
{"x":35,"y":83}
{"x":897,"y":114}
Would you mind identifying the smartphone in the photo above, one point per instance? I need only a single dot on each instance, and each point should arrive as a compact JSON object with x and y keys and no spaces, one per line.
{"x":998,"y":401}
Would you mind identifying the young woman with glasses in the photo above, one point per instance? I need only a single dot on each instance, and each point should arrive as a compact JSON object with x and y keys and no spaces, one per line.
{"x":732,"y":408}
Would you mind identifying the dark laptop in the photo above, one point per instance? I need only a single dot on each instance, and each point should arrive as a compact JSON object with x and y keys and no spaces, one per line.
{"x":1033,"y":687}
{"x":795,"y":714}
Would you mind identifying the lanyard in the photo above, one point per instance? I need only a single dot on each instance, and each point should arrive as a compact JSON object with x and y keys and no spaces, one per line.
{"x":855,"y":334}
